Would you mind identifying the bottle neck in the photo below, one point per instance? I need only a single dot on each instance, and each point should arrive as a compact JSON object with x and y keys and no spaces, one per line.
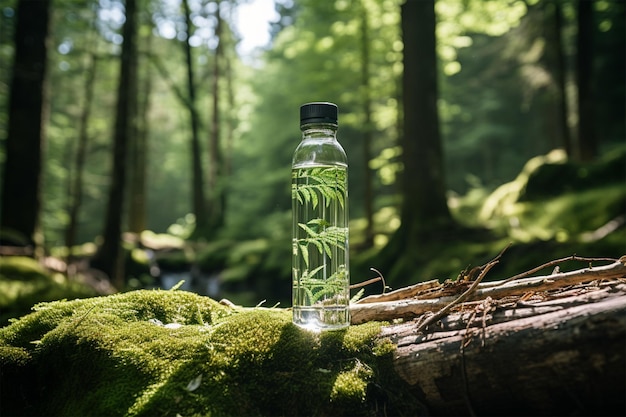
{"x":319,"y":131}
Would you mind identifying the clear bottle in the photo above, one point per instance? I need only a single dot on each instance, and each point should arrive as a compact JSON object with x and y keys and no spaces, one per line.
{"x":319,"y":194}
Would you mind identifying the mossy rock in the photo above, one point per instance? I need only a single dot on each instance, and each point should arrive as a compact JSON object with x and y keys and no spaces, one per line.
{"x":24,"y":282}
{"x":168,"y":353}
{"x":554,"y":178}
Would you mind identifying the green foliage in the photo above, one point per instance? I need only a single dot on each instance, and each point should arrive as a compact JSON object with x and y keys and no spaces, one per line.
{"x":550,"y":179}
{"x":23,"y":283}
{"x":582,"y":215}
{"x":326,"y":183}
{"x":171,"y":352}
{"x":323,"y":240}
{"x":312,"y":187}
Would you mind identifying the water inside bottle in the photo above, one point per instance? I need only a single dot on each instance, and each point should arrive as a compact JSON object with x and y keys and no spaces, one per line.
{"x":321,"y":295}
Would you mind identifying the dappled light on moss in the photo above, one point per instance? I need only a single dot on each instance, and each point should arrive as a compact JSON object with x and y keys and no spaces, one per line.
{"x":149,"y":353}
{"x":351,"y":385}
{"x":24,"y":282}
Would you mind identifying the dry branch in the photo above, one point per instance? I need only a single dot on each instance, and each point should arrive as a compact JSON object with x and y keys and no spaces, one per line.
{"x":431,"y":296}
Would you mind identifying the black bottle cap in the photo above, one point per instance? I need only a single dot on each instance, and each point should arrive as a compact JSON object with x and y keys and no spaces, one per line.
{"x":318,"y":112}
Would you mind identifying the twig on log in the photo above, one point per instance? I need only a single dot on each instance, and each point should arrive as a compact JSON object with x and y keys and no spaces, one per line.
{"x":380,"y":277}
{"x":438,"y":315}
{"x":409,"y":308}
{"x":547,"y":265}
{"x":401,"y":293}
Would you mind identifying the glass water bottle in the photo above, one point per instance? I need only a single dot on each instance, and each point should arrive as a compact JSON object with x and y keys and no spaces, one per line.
{"x":319,"y":194}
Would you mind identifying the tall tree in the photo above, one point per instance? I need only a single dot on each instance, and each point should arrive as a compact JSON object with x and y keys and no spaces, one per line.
{"x":75,"y":188}
{"x":424,"y":211}
{"x":367,"y":125}
{"x":139,"y":149}
{"x":199,"y":199}
{"x":424,"y":207}
{"x":216,"y":188}
{"x":587,"y":141}
{"x":21,"y":202}
{"x":110,"y":258}
{"x":556,"y":64}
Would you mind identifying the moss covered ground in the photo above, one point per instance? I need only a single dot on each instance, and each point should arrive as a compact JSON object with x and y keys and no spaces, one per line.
{"x":24,"y":282}
{"x":169,"y":353}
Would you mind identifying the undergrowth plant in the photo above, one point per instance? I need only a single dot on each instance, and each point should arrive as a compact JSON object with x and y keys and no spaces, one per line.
{"x":323,"y":191}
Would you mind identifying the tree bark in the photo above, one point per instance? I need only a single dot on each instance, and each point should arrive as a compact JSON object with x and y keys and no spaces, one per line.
{"x":546,"y":345}
{"x":110,"y":258}
{"x":587,"y":141}
{"x":424,"y":210}
{"x":424,"y":207}
{"x":367,"y":134}
{"x":21,"y":194}
{"x":199,"y":198}
{"x":556,"y":66}
{"x":562,"y":357}
{"x":216,"y":183}
{"x":137,"y":215}
{"x":76,"y":184}
{"x":230,"y":116}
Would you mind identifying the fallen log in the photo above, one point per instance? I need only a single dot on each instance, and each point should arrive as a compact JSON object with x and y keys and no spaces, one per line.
{"x":548,"y":345}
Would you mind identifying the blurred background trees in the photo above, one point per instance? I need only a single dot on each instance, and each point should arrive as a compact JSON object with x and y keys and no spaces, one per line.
{"x":169,"y":150}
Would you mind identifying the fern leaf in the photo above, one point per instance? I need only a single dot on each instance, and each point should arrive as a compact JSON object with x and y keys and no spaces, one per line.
{"x":317,"y":244}
{"x":304,"y":250}
{"x":308,"y":230}
{"x":327,"y":248}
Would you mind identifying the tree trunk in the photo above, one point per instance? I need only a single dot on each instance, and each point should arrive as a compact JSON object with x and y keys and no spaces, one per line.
{"x":216,"y":189}
{"x":76,"y":186}
{"x":587,"y":141}
{"x":367,"y":134}
{"x":556,"y":66}
{"x":110,"y":258}
{"x":552,"y":358}
{"x":139,"y":155}
{"x":21,"y":194}
{"x":424,"y":207}
{"x":424,"y":210}
{"x":199,"y":199}
{"x":230,"y":119}
{"x":549,"y":345}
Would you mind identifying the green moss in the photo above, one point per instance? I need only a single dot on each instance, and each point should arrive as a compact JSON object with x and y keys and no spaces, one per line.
{"x":153,"y":353}
{"x":24,"y":282}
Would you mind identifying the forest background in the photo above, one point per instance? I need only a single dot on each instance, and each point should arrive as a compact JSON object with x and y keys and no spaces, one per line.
{"x":164,"y":154}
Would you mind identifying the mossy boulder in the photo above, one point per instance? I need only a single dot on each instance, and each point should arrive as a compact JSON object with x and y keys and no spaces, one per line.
{"x":24,"y":282}
{"x":556,"y":176}
{"x":168,"y":353}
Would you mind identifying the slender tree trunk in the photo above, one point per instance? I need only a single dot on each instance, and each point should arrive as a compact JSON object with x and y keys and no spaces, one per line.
{"x":110,"y":257}
{"x":199,"y":200}
{"x":560,"y":76}
{"x":21,"y":187}
{"x":226,"y":39}
{"x":587,"y":141}
{"x":137,"y":210}
{"x":230,"y":128}
{"x":215,"y":152}
{"x":555,"y":117}
{"x":367,"y":134}
{"x":76,"y":185}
